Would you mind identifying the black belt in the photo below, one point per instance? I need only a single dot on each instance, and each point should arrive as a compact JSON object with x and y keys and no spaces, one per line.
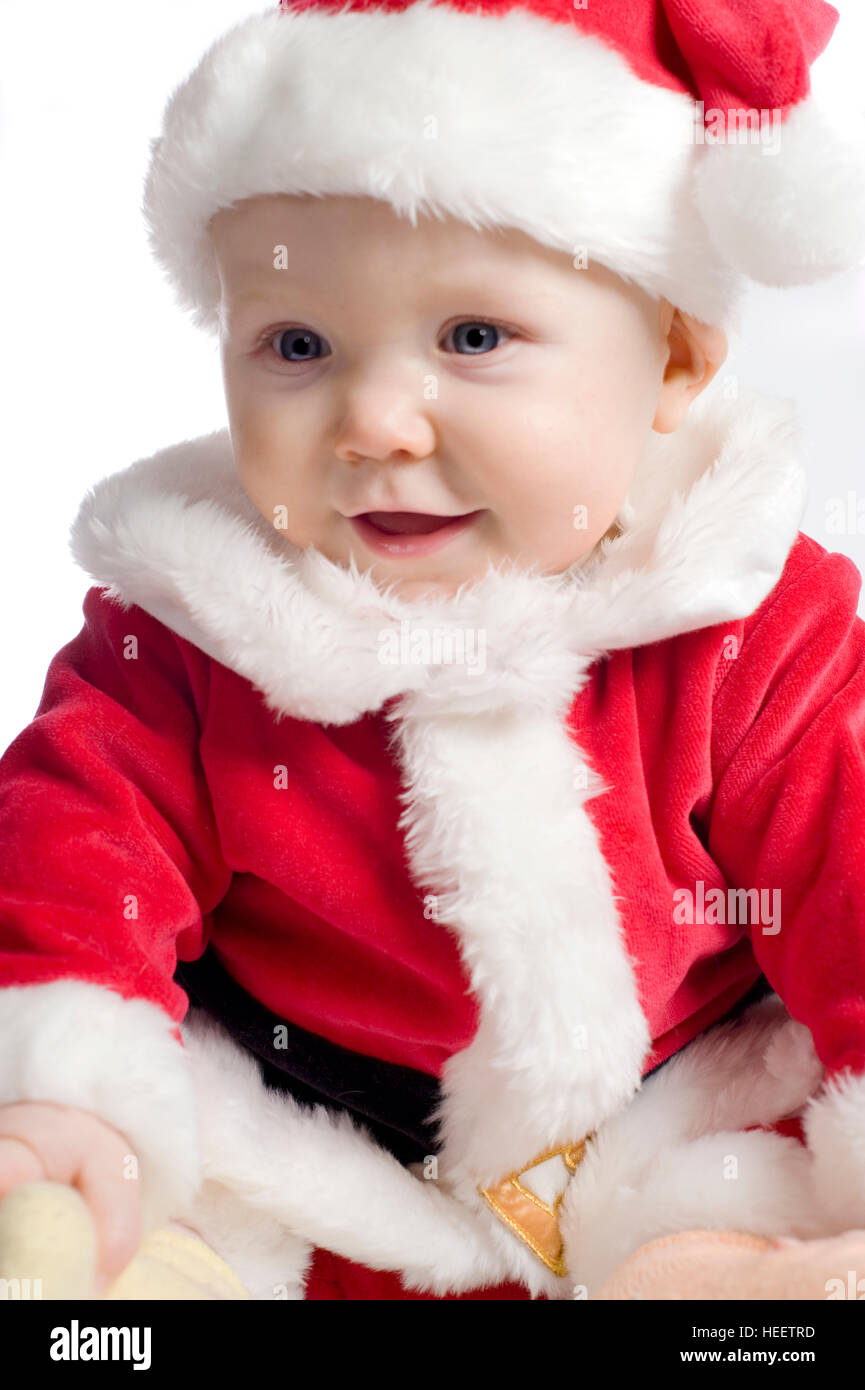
{"x":393,"y":1102}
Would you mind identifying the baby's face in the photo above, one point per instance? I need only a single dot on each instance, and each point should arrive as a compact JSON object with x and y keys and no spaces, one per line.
{"x":435,"y":370}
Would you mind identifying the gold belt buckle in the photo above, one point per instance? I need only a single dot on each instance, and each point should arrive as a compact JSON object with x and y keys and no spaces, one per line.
{"x":533,"y":1220}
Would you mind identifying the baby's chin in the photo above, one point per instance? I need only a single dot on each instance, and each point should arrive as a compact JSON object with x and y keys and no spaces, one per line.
{"x":415,"y":580}
{"x":416,"y":586}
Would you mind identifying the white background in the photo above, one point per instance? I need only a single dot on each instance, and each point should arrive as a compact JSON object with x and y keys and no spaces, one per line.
{"x":100,"y":368}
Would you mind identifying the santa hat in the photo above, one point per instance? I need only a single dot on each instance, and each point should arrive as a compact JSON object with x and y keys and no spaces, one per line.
{"x":677,"y":142}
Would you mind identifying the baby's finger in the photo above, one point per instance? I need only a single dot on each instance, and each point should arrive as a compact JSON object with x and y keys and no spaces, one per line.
{"x":115,"y":1205}
{"x":57,"y":1136}
{"x":19,"y":1163}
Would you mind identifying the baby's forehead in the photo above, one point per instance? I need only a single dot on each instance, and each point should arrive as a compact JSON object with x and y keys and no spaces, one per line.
{"x":354,"y":239}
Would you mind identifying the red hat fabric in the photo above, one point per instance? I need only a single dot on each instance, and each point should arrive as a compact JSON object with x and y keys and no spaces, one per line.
{"x":677,"y":143}
{"x":728,"y":54}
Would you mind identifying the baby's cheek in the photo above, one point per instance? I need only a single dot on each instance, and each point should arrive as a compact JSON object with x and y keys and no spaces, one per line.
{"x":575,"y":502}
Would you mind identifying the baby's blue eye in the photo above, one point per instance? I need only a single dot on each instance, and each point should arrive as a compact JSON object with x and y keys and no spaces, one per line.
{"x":472,"y":338}
{"x":478,"y":337}
{"x":298,"y":345}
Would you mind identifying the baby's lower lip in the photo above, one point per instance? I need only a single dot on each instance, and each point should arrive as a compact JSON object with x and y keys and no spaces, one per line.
{"x":409,"y":544}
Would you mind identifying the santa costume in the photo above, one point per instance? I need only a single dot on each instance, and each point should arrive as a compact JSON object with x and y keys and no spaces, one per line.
{"x":424,"y":976}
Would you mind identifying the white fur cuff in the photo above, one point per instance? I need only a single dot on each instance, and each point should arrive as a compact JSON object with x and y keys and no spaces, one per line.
{"x":83,"y":1045}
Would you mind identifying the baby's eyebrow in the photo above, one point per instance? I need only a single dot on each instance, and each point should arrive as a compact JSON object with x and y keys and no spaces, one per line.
{"x":254,"y":298}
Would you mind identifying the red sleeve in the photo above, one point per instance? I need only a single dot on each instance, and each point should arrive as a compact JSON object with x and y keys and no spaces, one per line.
{"x":109,"y":859}
{"x":788,"y":817}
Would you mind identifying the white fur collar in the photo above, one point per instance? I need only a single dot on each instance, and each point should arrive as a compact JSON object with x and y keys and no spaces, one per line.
{"x":496,"y":787}
{"x":702,"y":544}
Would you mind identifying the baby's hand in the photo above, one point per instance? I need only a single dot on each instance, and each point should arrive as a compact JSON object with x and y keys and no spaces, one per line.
{"x":44,"y":1142}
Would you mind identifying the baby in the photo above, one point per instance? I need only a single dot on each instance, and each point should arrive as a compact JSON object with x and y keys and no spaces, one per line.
{"x":378,"y":972}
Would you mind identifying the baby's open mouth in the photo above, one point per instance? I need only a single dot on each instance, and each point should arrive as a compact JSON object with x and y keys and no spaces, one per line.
{"x":407,"y":523}
{"x":410,"y":535}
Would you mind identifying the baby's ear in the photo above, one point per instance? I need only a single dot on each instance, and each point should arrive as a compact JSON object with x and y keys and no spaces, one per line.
{"x":696,"y":350}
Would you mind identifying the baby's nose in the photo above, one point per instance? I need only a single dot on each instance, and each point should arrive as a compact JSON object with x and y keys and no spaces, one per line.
{"x":385,"y":425}
{"x":384,"y":402}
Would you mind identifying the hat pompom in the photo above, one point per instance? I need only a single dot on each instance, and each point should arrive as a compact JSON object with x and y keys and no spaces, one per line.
{"x":789,"y":210}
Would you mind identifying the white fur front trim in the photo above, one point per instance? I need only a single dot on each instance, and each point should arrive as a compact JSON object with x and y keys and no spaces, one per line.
{"x":504,"y":120}
{"x":792,"y":214}
{"x":677,"y":1158}
{"x":497,"y":834}
{"x":79,"y":1044}
{"x":834,"y":1124}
